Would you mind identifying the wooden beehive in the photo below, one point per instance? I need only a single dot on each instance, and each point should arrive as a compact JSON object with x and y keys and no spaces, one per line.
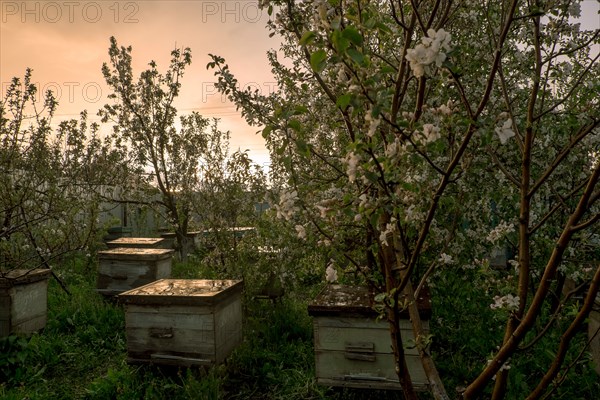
{"x":138,"y":243}
{"x":183,"y":322}
{"x":122,"y":269}
{"x":23,"y":301}
{"x":352,"y":348}
{"x":171,"y":238}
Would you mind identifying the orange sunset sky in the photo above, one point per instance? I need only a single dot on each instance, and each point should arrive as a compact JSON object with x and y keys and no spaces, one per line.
{"x":66,"y":42}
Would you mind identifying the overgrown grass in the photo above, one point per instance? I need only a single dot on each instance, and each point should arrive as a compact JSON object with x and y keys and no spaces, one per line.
{"x":82,"y":352}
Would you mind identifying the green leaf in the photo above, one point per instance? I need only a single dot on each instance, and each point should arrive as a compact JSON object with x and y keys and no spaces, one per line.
{"x":295,"y":125}
{"x":307,"y":38}
{"x":370,"y":23}
{"x":344,"y":100}
{"x":303,"y":148}
{"x":300,"y":109}
{"x":536,"y":11}
{"x":353,"y":35}
{"x":340,"y":43}
{"x":383,"y":27}
{"x":265,"y":132}
{"x":356,"y":56}
{"x":317,"y":60}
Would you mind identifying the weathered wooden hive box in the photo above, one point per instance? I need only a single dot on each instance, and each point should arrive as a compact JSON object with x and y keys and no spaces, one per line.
{"x":352,"y":348}
{"x":138,"y":243}
{"x":123,"y":268}
{"x":171,"y":238}
{"x":183,"y":322}
{"x":23,"y":301}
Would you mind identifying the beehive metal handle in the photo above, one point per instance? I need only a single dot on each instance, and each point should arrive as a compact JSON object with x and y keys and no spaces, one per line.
{"x":120,"y":277}
{"x":363,"y":377}
{"x":161,"y":333}
{"x":361,"y":351}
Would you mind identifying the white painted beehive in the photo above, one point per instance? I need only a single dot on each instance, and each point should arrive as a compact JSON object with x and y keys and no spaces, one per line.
{"x":183,"y":322}
{"x":353,"y":348}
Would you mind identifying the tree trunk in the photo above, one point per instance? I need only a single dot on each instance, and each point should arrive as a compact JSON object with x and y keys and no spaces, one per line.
{"x":388,"y":262}
{"x":185,"y":244}
{"x":400,"y":360}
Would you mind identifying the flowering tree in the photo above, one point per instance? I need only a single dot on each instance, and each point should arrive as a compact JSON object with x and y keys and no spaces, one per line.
{"x":144,"y":118}
{"x":49,"y":180}
{"x":191,"y":166}
{"x":230,"y":187}
{"x":419,"y":137}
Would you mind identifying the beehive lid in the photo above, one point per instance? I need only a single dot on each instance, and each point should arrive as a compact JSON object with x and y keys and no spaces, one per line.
{"x":130,"y":241}
{"x":131,"y":253}
{"x":173,"y":235}
{"x":346,"y":300}
{"x":182,"y":292}
{"x":22,"y":276}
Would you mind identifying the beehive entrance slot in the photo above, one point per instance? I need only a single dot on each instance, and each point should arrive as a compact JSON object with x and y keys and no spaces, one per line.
{"x":362,"y":351}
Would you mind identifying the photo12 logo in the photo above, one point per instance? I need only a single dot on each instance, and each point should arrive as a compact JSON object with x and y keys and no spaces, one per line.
{"x":66,"y":92}
{"x":69,"y":11}
{"x":231,"y":11}
{"x":211,"y":92}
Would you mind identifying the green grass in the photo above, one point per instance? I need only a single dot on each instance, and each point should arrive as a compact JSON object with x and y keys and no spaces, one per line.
{"x":81,"y":354}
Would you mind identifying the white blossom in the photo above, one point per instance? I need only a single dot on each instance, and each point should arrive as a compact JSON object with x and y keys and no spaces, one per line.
{"x":445,"y":259}
{"x":364,"y":200}
{"x":373,"y":123}
{"x":286,"y":207}
{"x":412,"y":214}
{"x":322,"y":11}
{"x":594,"y":156}
{"x":431,"y":133}
{"x":393,"y":148}
{"x":342,"y":77}
{"x":324,"y":242}
{"x":331,"y":274}
{"x":506,"y":131}
{"x":432,"y":49}
{"x":444,"y":109}
{"x":504,"y":367}
{"x":389,"y":228}
{"x":408,"y":115}
{"x":501,"y":230}
{"x":352,"y":160}
{"x":301,"y":231}
{"x":322,"y":210}
{"x":509,"y":302}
